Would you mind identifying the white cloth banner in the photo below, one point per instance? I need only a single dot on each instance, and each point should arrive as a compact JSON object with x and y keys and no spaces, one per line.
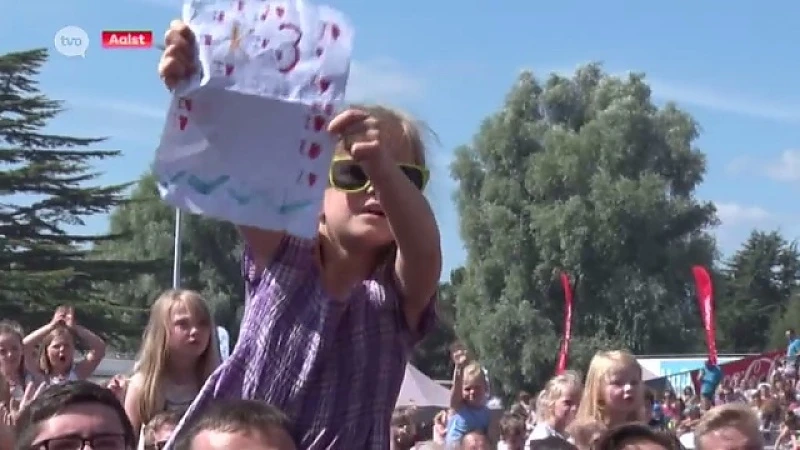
{"x":245,"y":139}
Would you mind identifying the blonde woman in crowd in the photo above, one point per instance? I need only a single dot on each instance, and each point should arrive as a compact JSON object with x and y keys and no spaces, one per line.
{"x":17,"y":369}
{"x":179,"y":351}
{"x":556,"y":406}
{"x":614,"y":392}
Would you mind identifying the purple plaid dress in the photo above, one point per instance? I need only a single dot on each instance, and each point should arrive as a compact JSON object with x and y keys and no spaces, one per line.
{"x":335,"y":368}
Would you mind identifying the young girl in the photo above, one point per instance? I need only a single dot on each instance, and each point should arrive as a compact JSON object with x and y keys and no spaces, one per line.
{"x":556,"y":406}
{"x":330,"y":322}
{"x":56,"y":343}
{"x":512,"y":433}
{"x":179,"y":351}
{"x":614,"y":392}
{"x":16,"y":369}
{"x":467,"y":400}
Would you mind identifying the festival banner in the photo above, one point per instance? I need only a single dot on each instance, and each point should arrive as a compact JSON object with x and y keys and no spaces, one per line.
{"x":756,"y":367}
{"x":563,"y":353}
{"x":705,"y":299}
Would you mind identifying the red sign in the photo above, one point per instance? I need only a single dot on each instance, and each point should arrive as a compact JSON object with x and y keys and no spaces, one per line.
{"x":757,"y":367}
{"x":127,"y":39}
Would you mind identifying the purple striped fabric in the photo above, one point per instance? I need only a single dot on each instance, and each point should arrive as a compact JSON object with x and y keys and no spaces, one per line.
{"x":334,"y":367}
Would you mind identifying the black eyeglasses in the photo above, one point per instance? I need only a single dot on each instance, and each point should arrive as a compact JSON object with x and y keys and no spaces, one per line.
{"x":107,"y":441}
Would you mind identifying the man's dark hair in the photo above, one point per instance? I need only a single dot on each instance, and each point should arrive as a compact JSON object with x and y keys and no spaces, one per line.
{"x":232,"y":416}
{"x":56,"y":398}
{"x":618,"y":437}
{"x":551,"y":443}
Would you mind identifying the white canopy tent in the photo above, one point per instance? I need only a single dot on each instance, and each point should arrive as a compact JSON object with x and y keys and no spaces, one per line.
{"x":419,"y":390}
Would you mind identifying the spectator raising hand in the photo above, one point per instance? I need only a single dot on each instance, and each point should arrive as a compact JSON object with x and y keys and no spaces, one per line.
{"x":6,"y":428}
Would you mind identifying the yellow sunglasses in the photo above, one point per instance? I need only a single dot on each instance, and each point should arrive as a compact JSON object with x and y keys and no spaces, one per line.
{"x":346,"y":175}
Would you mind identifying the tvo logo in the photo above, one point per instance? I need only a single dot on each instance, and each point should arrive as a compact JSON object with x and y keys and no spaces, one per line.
{"x":72,"y":41}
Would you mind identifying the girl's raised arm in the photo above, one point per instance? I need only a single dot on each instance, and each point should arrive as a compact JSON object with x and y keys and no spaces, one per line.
{"x":418,"y":264}
{"x":32,"y":341}
{"x":97,"y":348}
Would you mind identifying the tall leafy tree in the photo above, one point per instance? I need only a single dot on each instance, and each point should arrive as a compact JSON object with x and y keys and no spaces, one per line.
{"x":432,"y":355}
{"x":759,"y":281}
{"x":584,"y":174}
{"x":211,"y":255}
{"x":49,"y":186}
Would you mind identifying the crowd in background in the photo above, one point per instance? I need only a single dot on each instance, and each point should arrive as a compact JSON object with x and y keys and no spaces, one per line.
{"x":580,"y":413}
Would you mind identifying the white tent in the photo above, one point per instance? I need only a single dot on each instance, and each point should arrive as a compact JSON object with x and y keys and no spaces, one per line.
{"x":419,"y":390}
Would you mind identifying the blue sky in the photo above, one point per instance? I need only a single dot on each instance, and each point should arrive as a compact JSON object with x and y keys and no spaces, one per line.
{"x":733,"y":65}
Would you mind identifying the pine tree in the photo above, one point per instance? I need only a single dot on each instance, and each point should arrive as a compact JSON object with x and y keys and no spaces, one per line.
{"x":48,"y":186}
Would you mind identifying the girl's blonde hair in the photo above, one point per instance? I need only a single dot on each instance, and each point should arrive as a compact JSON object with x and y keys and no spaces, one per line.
{"x":14,"y":329}
{"x":603,"y":364}
{"x":555,"y":388}
{"x":44,"y":359}
{"x":154,"y":353}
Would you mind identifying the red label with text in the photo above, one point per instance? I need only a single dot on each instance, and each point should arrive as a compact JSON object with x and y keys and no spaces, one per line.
{"x":127,"y":39}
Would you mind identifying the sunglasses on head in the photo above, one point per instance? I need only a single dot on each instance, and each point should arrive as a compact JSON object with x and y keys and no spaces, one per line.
{"x":347,"y":175}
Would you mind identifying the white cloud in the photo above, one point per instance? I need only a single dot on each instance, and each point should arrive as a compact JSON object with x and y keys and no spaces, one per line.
{"x":729,"y":102}
{"x":123,"y":107}
{"x":736,"y":214}
{"x":381,"y":80}
{"x":709,"y":98}
{"x":786,"y":168}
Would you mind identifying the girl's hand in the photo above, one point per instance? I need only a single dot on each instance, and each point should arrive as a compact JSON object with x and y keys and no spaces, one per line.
{"x":361,"y":136}
{"x":177,"y":62}
{"x":69,"y":317}
{"x":59,"y":316}
{"x":460,"y":358}
{"x":32,"y":390}
{"x":118,"y":385}
{"x":6,"y":418}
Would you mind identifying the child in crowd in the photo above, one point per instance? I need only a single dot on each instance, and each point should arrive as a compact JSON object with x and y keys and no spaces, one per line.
{"x":614,"y":392}
{"x":330,"y":322}
{"x":178,"y":353}
{"x":56,"y":345}
{"x":467,"y":399}
{"x":512,"y":432}
{"x":160,"y":428}
{"x":584,"y":433}
{"x":17,"y":370}
{"x":557,"y":405}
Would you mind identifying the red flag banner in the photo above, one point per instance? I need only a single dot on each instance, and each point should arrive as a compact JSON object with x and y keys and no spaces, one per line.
{"x":705,"y":299}
{"x":563,"y":353}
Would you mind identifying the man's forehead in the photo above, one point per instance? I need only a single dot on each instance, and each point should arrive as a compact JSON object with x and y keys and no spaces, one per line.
{"x":80,"y":419}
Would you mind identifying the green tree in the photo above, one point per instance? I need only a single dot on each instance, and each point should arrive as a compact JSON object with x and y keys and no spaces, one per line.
{"x":790,"y":319}
{"x":432,"y":355}
{"x":583,"y":174}
{"x":211,"y":257}
{"x":758,"y":284}
{"x":49,"y":187}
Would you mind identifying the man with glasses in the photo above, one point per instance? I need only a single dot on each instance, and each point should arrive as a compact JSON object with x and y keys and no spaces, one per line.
{"x":74,"y":416}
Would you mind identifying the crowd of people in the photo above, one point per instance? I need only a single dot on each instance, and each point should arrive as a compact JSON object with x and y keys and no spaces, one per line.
{"x":43,"y":381}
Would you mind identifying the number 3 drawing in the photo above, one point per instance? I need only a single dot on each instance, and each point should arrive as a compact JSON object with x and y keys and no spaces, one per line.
{"x":289,"y":53}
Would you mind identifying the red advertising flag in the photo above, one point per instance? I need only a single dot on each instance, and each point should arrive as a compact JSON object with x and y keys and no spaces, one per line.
{"x":705,"y":299}
{"x":563,"y":353}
